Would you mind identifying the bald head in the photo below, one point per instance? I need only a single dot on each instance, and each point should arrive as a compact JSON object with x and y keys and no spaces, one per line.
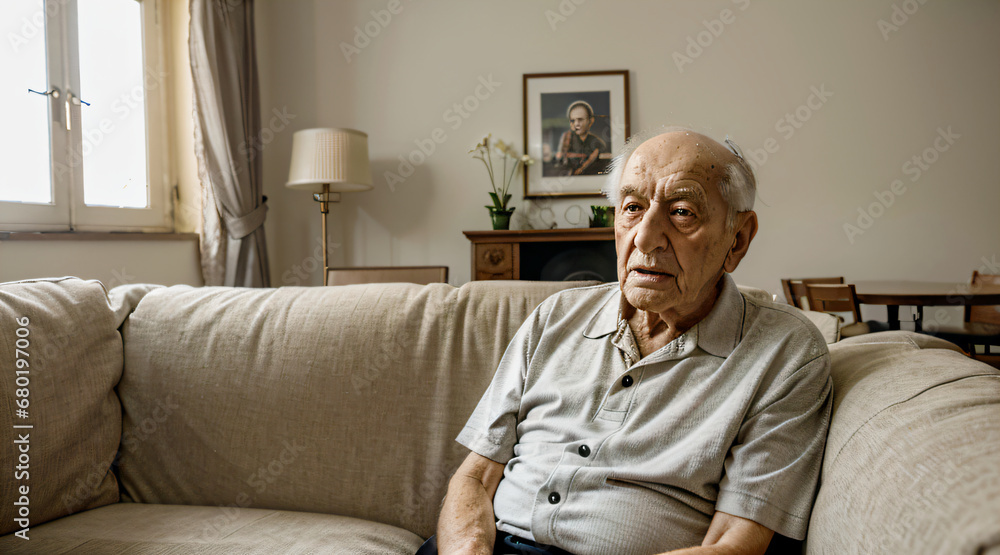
{"x":676,"y":232}
{"x":686,"y":149}
{"x":679,"y":149}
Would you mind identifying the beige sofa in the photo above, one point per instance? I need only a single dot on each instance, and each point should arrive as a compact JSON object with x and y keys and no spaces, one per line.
{"x":321,"y":420}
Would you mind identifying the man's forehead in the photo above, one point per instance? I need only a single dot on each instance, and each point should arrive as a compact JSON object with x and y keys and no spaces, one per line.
{"x":677,"y":159}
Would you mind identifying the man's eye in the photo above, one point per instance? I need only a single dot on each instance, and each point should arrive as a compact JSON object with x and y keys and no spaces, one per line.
{"x":683,"y":212}
{"x":632,"y":207}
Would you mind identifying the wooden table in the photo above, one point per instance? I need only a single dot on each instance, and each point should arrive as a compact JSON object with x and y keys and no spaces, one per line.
{"x":896,"y":293}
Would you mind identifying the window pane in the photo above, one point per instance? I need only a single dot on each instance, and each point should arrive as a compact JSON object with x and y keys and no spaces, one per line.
{"x":114,"y":125}
{"x":24,"y":147}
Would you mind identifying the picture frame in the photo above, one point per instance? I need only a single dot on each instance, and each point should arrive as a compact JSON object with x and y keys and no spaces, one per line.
{"x":573,"y":123}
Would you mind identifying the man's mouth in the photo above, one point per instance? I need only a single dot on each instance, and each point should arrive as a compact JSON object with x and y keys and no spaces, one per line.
{"x":649,"y":272}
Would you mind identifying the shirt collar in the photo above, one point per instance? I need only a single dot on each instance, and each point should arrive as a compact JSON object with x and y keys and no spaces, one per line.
{"x":717,"y":334}
{"x":605,"y":320}
{"x":720,"y":332}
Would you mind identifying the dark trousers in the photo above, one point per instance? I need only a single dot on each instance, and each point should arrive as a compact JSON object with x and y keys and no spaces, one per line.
{"x":506,"y":544}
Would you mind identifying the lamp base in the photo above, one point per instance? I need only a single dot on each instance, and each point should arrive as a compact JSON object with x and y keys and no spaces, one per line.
{"x":324,"y":199}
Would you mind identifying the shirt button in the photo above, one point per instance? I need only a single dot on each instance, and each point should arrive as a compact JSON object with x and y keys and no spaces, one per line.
{"x":627,"y":381}
{"x":584,"y":451}
{"x":554,"y":497}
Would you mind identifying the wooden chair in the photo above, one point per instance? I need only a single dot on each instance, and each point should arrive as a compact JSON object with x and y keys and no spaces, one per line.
{"x":421,"y":275}
{"x":981,"y":325}
{"x":984,"y":314}
{"x":992,"y":360}
{"x":839,"y":297}
{"x":795,"y":289}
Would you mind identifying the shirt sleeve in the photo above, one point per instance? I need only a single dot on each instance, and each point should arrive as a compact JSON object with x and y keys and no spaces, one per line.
{"x":491,"y":431}
{"x":772,"y":470}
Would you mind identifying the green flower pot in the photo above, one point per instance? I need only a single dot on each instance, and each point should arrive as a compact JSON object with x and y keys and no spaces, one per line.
{"x":501,"y":218}
{"x":604,"y":216}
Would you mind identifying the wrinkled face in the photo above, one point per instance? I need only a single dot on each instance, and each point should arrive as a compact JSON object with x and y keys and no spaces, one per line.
{"x":580,"y":121}
{"x":670,"y":226}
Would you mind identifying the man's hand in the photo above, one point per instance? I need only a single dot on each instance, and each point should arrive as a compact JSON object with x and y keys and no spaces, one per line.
{"x":731,"y":535}
{"x":467,"y":524}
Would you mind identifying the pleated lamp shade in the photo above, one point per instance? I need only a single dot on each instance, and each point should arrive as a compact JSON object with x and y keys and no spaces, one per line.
{"x":337,"y":157}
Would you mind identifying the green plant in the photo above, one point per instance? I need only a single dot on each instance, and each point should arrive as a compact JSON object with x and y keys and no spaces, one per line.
{"x":512,"y":162}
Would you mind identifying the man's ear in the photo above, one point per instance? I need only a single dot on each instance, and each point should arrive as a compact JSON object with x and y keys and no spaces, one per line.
{"x":746,"y":228}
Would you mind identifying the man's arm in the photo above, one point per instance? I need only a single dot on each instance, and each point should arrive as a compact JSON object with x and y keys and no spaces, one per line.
{"x":588,"y":162}
{"x":567,"y":136}
{"x":731,"y":535}
{"x":467,"y":524}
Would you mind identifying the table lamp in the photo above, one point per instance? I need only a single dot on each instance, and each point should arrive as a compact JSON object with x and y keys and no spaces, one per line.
{"x":328,"y":162}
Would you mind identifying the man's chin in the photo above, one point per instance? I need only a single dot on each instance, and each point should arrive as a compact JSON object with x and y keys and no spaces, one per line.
{"x":649,"y":297}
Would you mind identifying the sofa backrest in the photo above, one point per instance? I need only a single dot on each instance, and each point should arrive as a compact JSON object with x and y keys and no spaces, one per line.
{"x":341,"y":400}
{"x":912,"y":459}
{"x":61,"y":356}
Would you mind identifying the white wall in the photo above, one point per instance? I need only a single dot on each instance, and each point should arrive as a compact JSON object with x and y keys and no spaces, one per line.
{"x":112,"y":262}
{"x":890,"y":96}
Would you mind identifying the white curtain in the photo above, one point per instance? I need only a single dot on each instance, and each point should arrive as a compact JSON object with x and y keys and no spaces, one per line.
{"x":227,"y":130}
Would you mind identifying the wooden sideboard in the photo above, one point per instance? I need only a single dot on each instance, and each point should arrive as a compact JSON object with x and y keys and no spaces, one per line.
{"x":523,"y":254}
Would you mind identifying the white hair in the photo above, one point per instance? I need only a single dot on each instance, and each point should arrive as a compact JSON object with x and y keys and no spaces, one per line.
{"x":738,"y":187}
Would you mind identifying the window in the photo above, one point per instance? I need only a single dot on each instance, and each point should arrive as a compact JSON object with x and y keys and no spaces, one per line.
{"x":87,"y":149}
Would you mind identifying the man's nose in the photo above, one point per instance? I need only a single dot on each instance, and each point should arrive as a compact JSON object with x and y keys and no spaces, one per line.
{"x":651,"y":231}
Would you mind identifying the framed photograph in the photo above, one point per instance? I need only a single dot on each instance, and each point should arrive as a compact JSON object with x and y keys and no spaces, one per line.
{"x":573,"y":122}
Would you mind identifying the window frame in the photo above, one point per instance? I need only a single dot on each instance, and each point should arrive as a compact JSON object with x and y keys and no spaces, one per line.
{"x":67,"y":211}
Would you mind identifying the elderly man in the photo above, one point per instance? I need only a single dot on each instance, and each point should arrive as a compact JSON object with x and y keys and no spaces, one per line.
{"x":665,"y":412}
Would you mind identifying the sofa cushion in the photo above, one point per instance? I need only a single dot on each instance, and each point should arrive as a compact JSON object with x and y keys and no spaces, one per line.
{"x":913,"y":448}
{"x":172,"y":529}
{"x":339,"y":400}
{"x":67,"y":333}
{"x":855,"y":329}
{"x":827,"y":324}
{"x":125,"y":298}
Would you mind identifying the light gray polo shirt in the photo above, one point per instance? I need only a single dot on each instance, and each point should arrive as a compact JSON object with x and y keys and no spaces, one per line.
{"x":609,"y":453}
